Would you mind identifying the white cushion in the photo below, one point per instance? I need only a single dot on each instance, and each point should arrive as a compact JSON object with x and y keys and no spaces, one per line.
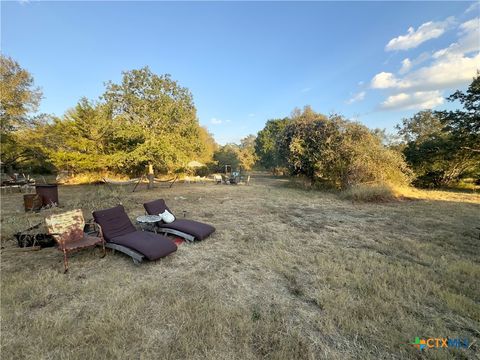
{"x":167,"y":217}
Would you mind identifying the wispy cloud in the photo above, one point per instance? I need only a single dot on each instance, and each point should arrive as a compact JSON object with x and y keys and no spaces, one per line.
{"x":468,"y":40}
{"x":215,"y":121}
{"x":413,"y":38}
{"x":473,"y":7}
{"x":251,"y":115}
{"x":406,"y":66}
{"x":357,"y":97}
{"x":305,"y":90}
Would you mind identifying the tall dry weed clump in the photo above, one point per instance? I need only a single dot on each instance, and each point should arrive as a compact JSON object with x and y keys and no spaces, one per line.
{"x":370,"y":193}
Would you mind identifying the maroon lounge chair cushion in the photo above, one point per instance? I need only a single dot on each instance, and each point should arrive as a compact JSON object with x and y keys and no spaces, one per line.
{"x":156,"y":207}
{"x":114,"y":222}
{"x":195,"y":228}
{"x":118,"y":229}
{"x":199,"y":230}
{"x":153,"y":246}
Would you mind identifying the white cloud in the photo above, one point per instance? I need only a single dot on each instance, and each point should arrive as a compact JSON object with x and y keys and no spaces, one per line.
{"x":357,"y":97}
{"x":384,"y":80}
{"x":470,"y":25}
{"x":474,"y":6}
{"x":251,"y":115}
{"x":406,"y":66}
{"x":215,"y":121}
{"x":413,"y":38}
{"x":444,"y":72}
{"x":469,"y":40}
{"x":307,"y":89}
{"x":415,"y":87}
{"x":417,"y":101}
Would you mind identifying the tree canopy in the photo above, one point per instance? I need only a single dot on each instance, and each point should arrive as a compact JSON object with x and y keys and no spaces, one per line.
{"x":151,"y":119}
{"x":267,"y":145}
{"x":443,"y":147}
{"x":144,"y":119}
{"x":329,"y":149}
{"x":19,"y":98}
{"x":239,"y":156}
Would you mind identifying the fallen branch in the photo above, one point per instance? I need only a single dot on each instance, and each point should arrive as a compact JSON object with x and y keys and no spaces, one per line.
{"x":471,"y":149}
{"x":23,"y":249}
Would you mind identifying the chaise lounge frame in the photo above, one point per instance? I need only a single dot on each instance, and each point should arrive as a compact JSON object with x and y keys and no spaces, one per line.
{"x":135,"y":255}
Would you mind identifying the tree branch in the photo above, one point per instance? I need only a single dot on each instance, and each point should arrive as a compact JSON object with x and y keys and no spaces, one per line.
{"x":469,"y":148}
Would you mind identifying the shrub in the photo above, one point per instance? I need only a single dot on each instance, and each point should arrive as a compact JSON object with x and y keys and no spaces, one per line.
{"x":340,"y":152}
{"x":369,"y":193}
{"x":368,"y":160}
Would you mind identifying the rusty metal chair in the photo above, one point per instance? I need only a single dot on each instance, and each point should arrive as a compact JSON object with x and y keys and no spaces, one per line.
{"x":67,"y":230}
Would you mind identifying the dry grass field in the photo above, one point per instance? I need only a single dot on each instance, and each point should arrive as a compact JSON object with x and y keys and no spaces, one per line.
{"x":289,"y":274}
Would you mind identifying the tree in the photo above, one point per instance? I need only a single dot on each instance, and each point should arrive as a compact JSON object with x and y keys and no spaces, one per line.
{"x":208,"y":146}
{"x":464,"y":125}
{"x":444,"y":146}
{"x":266,"y":144}
{"x":83,"y":140}
{"x":228,"y":154}
{"x":146,"y":118}
{"x":305,"y":140}
{"x":19,"y":98}
{"x":338,"y":152}
{"x":422,"y":126}
{"x":247,"y":152}
{"x":428,"y":149}
{"x":365,"y":158}
{"x":156,"y":122}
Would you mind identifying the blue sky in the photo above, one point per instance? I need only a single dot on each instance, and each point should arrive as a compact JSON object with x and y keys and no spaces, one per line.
{"x":247,"y":62}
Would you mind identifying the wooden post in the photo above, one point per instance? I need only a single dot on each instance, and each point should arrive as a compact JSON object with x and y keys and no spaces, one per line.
{"x":150,"y":176}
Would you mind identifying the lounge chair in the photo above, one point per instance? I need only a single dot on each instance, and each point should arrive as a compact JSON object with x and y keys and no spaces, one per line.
{"x":190,"y":230}
{"x":67,"y":230}
{"x":120,"y":234}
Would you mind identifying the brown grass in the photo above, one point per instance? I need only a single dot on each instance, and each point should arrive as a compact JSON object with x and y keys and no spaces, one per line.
{"x":370,"y":193}
{"x":289,"y":274}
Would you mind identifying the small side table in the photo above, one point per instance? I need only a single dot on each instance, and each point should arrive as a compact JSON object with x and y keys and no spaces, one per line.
{"x":147,"y":222}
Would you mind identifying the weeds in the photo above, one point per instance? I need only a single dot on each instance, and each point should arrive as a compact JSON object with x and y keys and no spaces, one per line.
{"x":289,"y":274}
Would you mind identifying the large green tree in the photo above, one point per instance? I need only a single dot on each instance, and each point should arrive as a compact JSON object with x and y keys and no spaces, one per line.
{"x":83,"y":140}
{"x":207,"y":146}
{"x":443,"y":147}
{"x":156,"y":119}
{"x":19,"y":100}
{"x":333,"y":150}
{"x":267,"y":146}
{"x":247,"y":154}
{"x":146,"y":118}
{"x":464,"y":124}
